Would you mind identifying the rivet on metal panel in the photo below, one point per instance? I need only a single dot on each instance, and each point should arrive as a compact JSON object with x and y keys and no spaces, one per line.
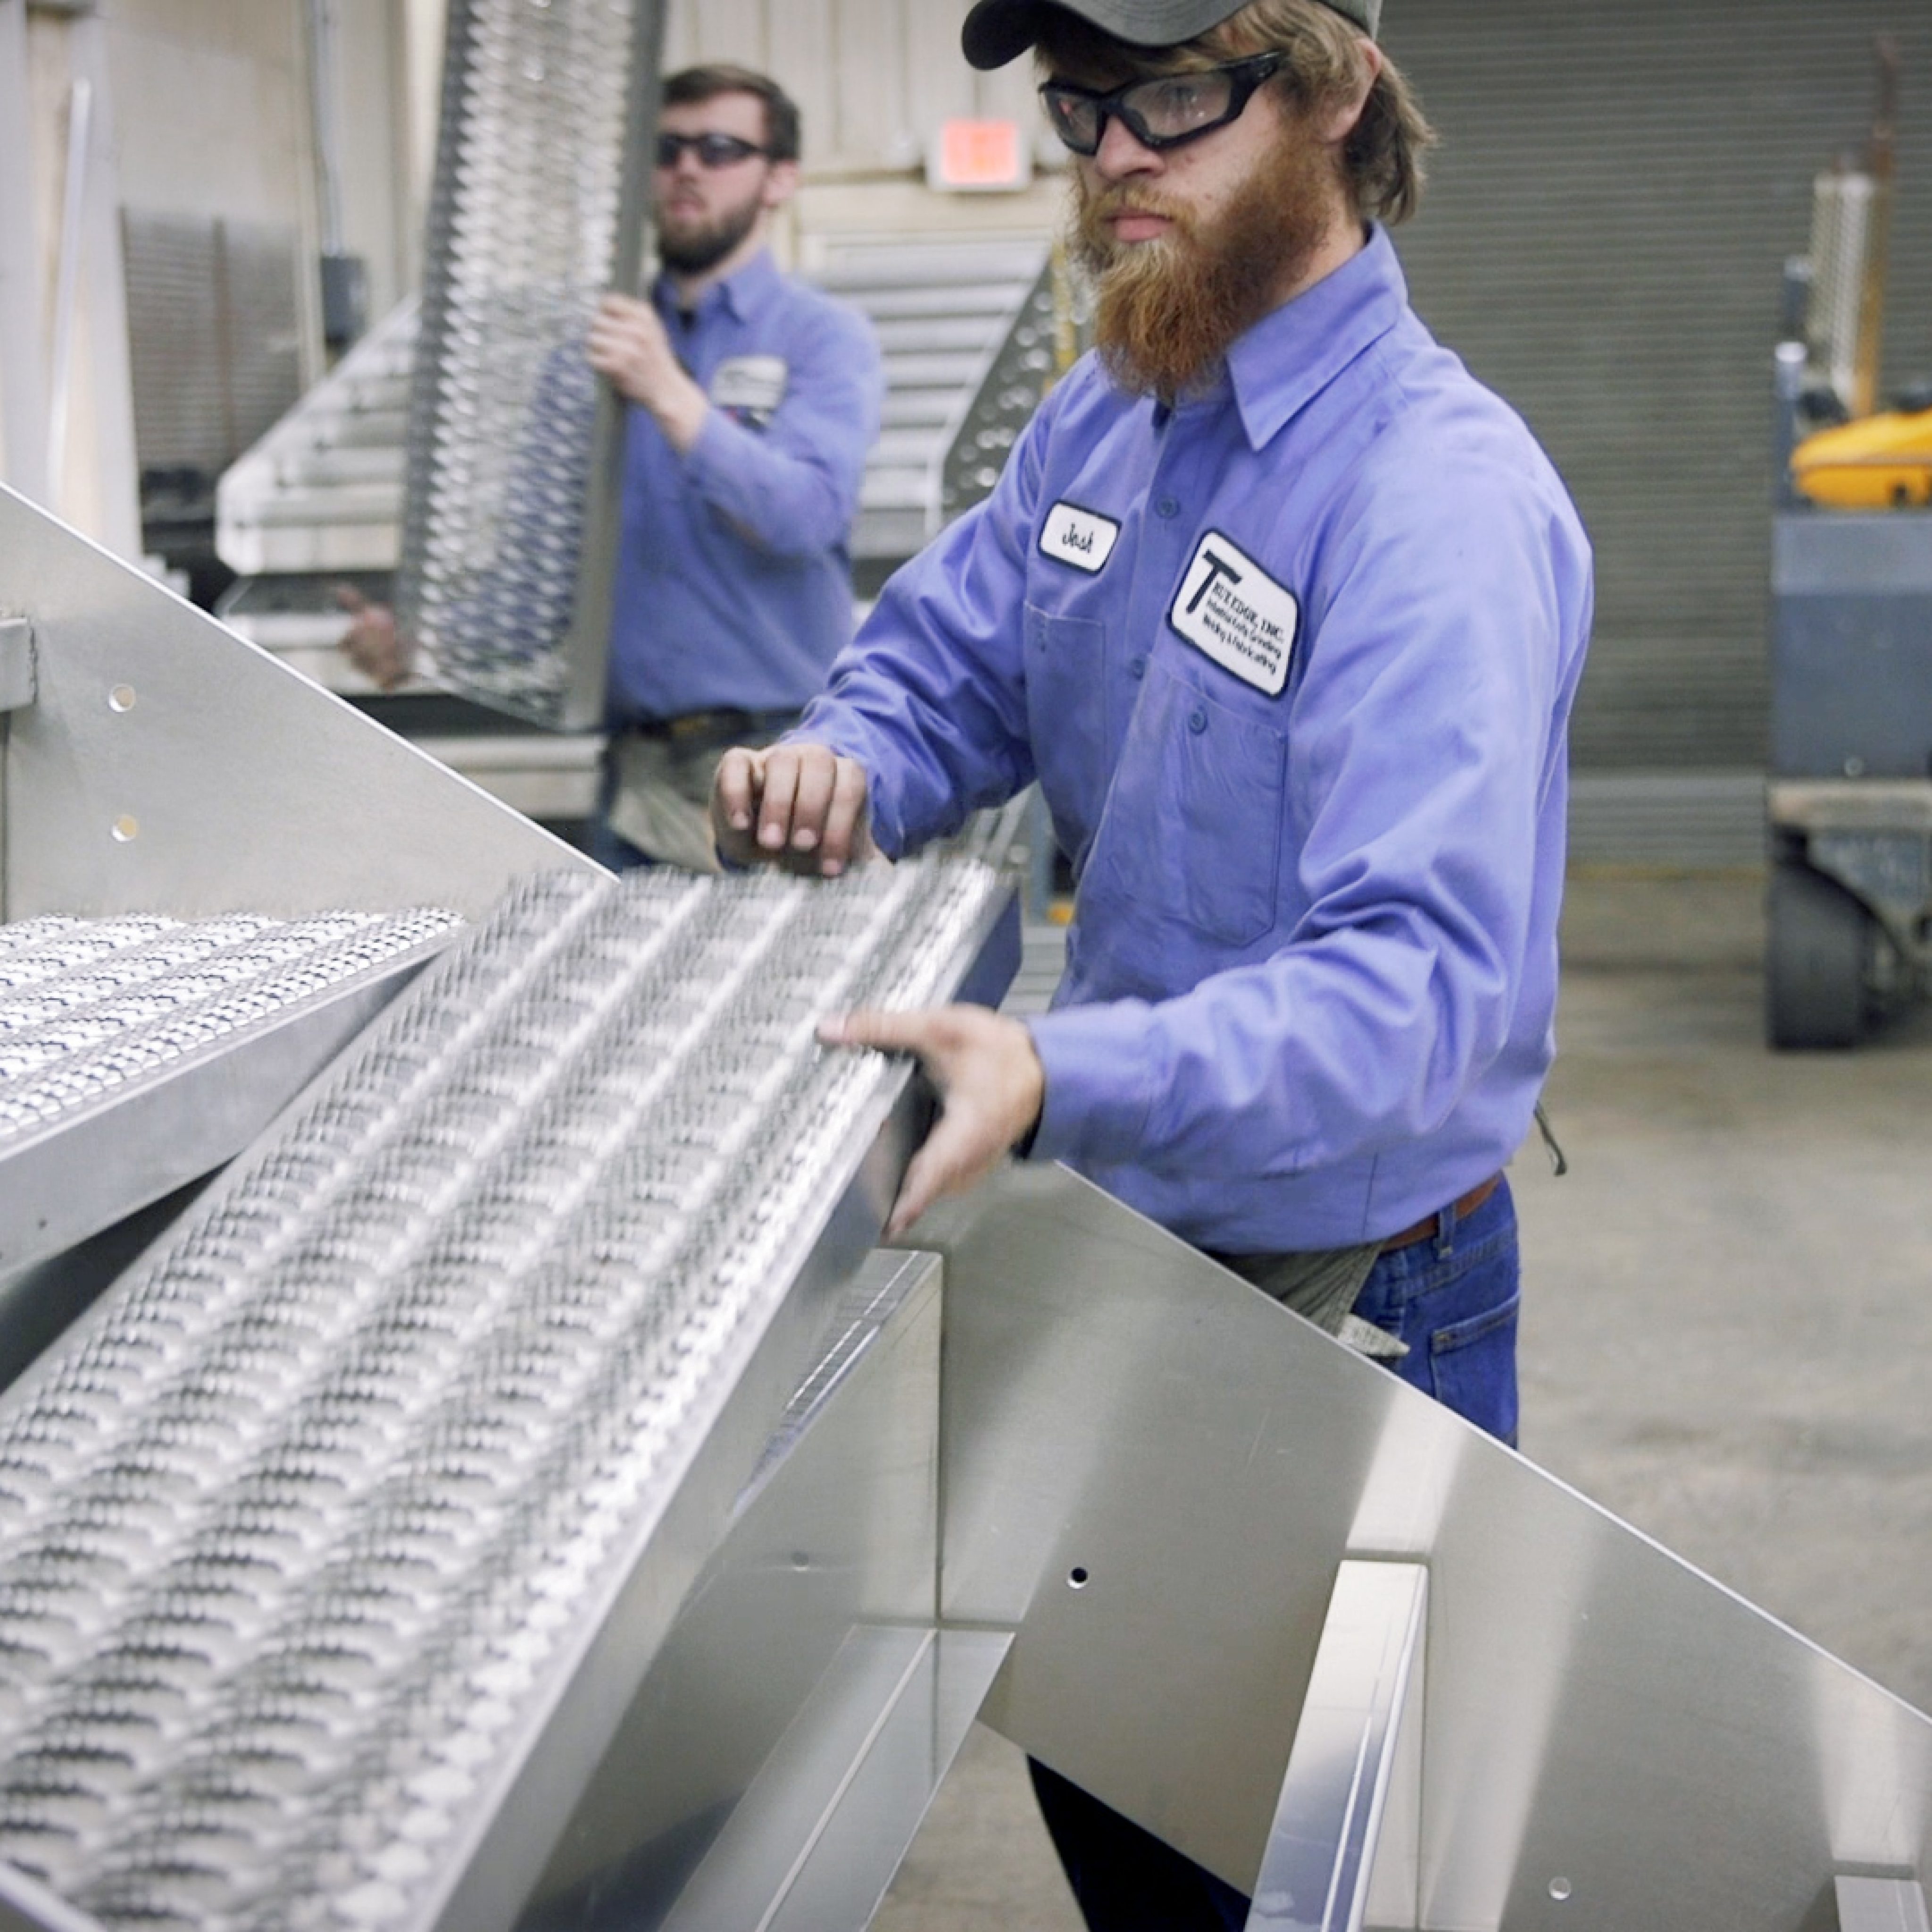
{"x":126,"y":828}
{"x":1560,"y":1889}
{"x":17,"y":684}
{"x":121,"y":698}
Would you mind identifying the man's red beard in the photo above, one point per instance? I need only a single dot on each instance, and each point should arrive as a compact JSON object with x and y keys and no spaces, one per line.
{"x":1168,"y":310}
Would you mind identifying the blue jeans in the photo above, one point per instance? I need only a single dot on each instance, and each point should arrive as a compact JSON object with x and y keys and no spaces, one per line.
{"x":1453,"y":1298}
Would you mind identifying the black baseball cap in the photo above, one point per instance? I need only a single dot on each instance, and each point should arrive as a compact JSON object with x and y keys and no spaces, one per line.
{"x":998,"y":31}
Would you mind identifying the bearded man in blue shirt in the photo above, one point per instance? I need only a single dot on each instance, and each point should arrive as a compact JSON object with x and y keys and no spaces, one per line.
{"x":1286,"y":613}
{"x":753,"y":400}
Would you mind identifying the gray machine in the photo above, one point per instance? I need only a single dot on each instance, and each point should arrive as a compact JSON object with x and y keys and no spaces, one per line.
{"x":1850,"y":796}
{"x":1851,"y":790}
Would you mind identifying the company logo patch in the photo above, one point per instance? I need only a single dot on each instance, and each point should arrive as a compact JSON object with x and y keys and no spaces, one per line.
{"x":752,"y":386}
{"x":1084,"y":538}
{"x":1230,"y":608}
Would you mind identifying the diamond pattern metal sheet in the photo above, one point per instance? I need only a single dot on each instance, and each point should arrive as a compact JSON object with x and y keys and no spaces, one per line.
{"x":88,"y":1007}
{"x":532,"y":216}
{"x":295,"y":1532}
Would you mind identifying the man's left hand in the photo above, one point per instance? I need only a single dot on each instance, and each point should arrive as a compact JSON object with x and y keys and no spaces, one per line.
{"x":991,"y":1087}
{"x":627,"y":344}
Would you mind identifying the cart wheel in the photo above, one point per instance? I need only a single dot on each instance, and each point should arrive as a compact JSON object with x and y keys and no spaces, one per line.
{"x":1815,"y":970}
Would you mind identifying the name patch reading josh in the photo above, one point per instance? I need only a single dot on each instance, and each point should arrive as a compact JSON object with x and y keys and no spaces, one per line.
{"x":1232,"y":609}
{"x":1084,"y":538}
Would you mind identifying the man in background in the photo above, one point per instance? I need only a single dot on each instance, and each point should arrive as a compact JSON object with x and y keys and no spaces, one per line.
{"x":753,"y":400}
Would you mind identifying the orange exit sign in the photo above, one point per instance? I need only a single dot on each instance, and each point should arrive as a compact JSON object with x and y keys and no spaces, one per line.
{"x":980,"y":157}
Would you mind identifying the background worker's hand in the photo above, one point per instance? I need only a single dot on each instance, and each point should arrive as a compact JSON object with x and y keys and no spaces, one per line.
{"x":991,"y":1087}
{"x":799,"y":806}
{"x":629,"y":345}
{"x":375,"y":647}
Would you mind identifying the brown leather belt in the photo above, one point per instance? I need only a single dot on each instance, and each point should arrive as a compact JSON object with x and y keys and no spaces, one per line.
{"x":1432,"y":1225}
{"x":722,"y":726}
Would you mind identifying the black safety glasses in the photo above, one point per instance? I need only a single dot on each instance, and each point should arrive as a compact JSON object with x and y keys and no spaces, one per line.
{"x":1163,"y":113}
{"x":713,"y":150}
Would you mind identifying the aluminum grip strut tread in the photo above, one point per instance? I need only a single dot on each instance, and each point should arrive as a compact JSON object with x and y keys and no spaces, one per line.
{"x":296,"y":1534}
{"x":538,"y":178}
{"x":90,"y":1007}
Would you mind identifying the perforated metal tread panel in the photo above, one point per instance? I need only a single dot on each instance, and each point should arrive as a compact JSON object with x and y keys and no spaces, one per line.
{"x":138,"y":1052}
{"x":540,"y":176}
{"x":88,"y":1007}
{"x":300,"y":1532}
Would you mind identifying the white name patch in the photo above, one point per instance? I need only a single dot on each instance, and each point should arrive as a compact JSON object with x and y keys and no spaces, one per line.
{"x":1232,"y":610}
{"x":1084,"y":538}
{"x":755,"y":384}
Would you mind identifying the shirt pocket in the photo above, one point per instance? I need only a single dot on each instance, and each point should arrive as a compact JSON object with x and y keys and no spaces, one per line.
{"x":1193,"y":826}
{"x":1066,"y":696}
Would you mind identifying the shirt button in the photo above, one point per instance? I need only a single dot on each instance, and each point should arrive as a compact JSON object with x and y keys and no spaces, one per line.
{"x":1137,"y":667}
{"x":1167,"y":507}
{"x":1197,"y":720}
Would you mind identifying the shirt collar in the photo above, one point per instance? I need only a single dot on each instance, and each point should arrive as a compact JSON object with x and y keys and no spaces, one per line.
{"x":1293,"y":353}
{"x":743,"y":296}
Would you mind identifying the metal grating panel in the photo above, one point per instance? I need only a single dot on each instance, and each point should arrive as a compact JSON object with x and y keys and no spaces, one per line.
{"x":90,"y":1008}
{"x":298,"y":1535}
{"x":212,"y":336}
{"x":1610,"y":211}
{"x":538,"y":200}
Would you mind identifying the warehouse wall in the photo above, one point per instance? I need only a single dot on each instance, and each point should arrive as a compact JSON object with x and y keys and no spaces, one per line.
{"x":1616,"y":193}
{"x":215,"y":111}
{"x":871,"y":77}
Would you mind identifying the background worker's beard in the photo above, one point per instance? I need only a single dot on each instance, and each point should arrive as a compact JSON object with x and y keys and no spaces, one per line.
{"x":693,"y":250}
{"x":1167,"y":310}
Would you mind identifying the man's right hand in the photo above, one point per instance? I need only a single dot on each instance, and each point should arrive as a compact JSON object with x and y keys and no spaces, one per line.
{"x":375,"y":647}
{"x":798,"y":805}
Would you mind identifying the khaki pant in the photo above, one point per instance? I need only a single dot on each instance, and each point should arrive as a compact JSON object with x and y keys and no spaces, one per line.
{"x":660,"y":795}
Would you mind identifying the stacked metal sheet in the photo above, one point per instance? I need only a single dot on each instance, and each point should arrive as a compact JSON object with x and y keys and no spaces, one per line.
{"x":301,"y":1532}
{"x":321,"y":493}
{"x":970,"y":334}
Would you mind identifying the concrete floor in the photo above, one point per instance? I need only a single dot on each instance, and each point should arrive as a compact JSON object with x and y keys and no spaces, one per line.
{"x":1727,"y":1334}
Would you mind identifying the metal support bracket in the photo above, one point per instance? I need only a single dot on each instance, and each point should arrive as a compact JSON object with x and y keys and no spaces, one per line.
{"x":1881,"y":1905}
{"x":18,"y":683}
{"x":1322,"y":1847}
{"x":817,"y":1839}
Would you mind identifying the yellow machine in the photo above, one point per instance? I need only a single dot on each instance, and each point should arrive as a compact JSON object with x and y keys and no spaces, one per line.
{"x":1881,"y":462}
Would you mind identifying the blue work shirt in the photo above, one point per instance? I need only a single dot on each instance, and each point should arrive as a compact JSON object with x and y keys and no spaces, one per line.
{"x":1293,"y":663}
{"x":733,"y":584}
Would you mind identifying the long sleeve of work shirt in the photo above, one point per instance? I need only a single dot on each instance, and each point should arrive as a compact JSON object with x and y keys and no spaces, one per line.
{"x":1311,"y":976}
{"x":733,"y":587}
{"x":791,"y":487}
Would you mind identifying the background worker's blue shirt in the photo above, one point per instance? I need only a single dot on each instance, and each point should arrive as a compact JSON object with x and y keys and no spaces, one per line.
{"x":733,"y":584}
{"x":1312,"y":974}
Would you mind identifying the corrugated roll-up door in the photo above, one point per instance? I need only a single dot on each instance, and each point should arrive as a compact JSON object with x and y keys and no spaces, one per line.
{"x":1616,"y":193}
